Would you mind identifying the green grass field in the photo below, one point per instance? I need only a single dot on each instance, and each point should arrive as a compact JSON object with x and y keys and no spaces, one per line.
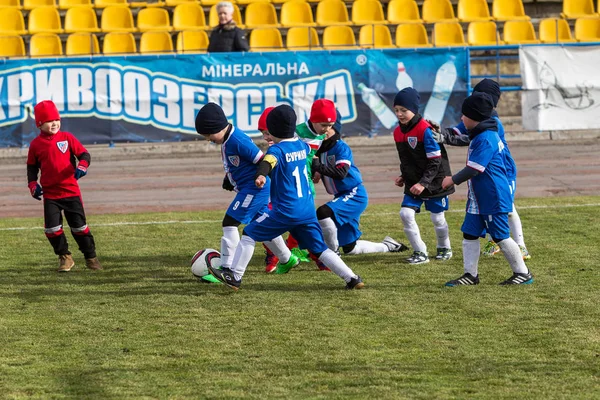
{"x":145,"y":328}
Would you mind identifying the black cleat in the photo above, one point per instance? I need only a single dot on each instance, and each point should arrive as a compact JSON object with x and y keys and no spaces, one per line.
{"x":393,"y":245}
{"x":466,"y":279}
{"x":519,"y":279}
{"x":355,"y":283}
{"x":226,"y":276}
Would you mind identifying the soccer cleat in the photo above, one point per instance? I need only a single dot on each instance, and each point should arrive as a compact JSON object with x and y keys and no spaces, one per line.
{"x":525,"y":253}
{"x":417,"y":258}
{"x":93,"y":263}
{"x":466,"y":279}
{"x":301,"y":254}
{"x":65,"y":263}
{"x":209,"y":279}
{"x":355,"y":283}
{"x":443,"y":254}
{"x":393,"y":246}
{"x":519,"y":279}
{"x":271,"y":263}
{"x":285,"y":268}
{"x":226,"y":276}
{"x":490,"y":249}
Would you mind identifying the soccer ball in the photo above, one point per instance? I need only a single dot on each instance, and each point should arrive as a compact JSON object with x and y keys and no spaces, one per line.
{"x":202,"y":260}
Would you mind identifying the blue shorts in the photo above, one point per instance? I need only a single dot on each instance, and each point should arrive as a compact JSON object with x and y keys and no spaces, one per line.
{"x":307,"y":232}
{"x":347,"y":209}
{"x":247,"y":206}
{"x":435,"y":205}
{"x":494,"y":224}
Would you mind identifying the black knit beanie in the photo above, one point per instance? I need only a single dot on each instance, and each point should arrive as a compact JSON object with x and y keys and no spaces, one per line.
{"x":210,"y":119}
{"x":490,"y":87}
{"x":281,"y":122}
{"x":408,"y":98}
{"x":478,"y":106}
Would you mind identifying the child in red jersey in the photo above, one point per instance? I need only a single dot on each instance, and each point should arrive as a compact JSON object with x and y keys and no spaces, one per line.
{"x":54,"y":153}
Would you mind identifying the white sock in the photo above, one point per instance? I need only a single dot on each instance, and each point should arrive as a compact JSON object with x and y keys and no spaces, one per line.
{"x":242,"y":256}
{"x":229,"y":241}
{"x":411,"y":229}
{"x":329,"y":233}
{"x":516,"y":228}
{"x":513,"y":255}
{"x":279,"y":248}
{"x":337,"y":265}
{"x":364,"y":247}
{"x":441,"y":230}
{"x":471,"y":256}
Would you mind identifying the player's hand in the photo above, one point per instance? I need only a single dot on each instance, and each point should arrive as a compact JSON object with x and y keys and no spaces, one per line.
{"x":260,"y":181}
{"x":36,"y":190}
{"x":316,"y":177}
{"x":417,"y":189}
{"x":227,"y":184}
{"x":81,"y":169}
{"x":399,"y":181}
{"x":434,"y":125}
{"x":447,"y":182}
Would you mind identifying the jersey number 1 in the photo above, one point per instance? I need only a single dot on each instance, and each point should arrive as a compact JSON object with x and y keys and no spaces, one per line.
{"x":296,"y":175}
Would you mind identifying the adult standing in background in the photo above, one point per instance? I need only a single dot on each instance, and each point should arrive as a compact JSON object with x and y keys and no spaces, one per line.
{"x":227,"y":36}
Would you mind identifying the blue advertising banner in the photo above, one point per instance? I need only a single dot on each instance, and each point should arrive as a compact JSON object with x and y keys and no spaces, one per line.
{"x":156,"y":98}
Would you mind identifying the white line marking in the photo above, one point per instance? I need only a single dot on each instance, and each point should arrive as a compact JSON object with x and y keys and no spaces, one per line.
{"x":212,"y":221}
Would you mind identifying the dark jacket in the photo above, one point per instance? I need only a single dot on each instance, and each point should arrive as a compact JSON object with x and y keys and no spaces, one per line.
{"x":227,"y":38}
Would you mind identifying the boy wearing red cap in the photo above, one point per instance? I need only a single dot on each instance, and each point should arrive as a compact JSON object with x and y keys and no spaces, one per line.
{"x":54,"y":154}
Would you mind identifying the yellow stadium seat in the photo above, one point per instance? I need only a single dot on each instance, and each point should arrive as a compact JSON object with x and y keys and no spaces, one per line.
{"x":117,"y":19}
{"x":296,"y":13}
{"x":175,"y":3}
{"x":285,"y":1}
{"x":403,"y":11}
{"x":213,"y":17}
{"x":553,"y":30}
{"x":519,"y":32}
{"x":156,"y":42}
{"x":260,"y":14}
{"x":587,"y":29}
{"x":504,"y":10}
{"x":573,"y":9}
{"x":367,"y":12}
{"x":332,"y":12}
{"x":266,"y":39}
{"x":153,"y":19}
{"x":118,"y":43}
{"x":12,"y":46}
{"x":209,"y":3}
{"x":11,"y":3}
{"x":81,"y":44}
{"x":188,"y":16}
{"x":375,"y":36}
{"x":44,"y":20}
{"x":45,"y":44}
{"x":246,"y":2}
{"x":110,"y":3}
{"x":338,"y":37}
{"x":447,"y":34}
{"x":438,"y":11}
{"x":302,"y":38}
{"x":192,"y":42}
{"x":12,"y":22}
{"x":66,"y":4}
{"x":483,"y":33}
{"x":31,"y":4}
{"x":81,"y":19}
{"x":473,"y":10}
{"x":411,"y":35}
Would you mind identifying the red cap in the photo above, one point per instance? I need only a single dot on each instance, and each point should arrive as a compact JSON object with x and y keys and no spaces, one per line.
{"x":262,"y":121}
{"x":45,"y":111}
{"x":322,"y":110}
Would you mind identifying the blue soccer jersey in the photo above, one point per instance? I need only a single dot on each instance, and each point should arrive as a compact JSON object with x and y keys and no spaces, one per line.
{"x":340,"y":154}
{"x":240,"y":158}
{"x":489,"y":192}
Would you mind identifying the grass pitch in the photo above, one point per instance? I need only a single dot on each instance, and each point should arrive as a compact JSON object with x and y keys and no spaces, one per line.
{"x":145,"y":328}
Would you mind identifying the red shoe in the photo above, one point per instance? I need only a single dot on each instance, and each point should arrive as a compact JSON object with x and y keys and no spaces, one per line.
{"x":320,"y":265}
{"x":271,"y":263}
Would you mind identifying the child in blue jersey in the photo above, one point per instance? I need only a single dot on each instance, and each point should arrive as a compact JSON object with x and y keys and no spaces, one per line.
{"x":458,"y":136}
{"x":340,"y":217}
{"x":293,"y":207}
{"x":489,"y":199}
{"x":240,"y":159}
{"x":423,"y":166}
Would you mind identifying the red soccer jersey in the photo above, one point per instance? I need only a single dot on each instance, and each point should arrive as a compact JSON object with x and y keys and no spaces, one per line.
{"x":55,"y":156}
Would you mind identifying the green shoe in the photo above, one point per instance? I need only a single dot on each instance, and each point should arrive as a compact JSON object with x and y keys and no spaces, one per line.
{"x":301,"y":254}
{"x":209,"y":279}
{"x":285,"y":268}
{"x":490,"y":249}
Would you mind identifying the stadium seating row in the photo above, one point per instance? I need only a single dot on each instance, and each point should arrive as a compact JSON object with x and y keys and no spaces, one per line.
{"x":482,"y":33}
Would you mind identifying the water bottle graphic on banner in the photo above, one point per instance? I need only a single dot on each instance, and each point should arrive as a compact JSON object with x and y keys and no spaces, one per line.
{"x":442,"y":89}
{"x":371,"y":98}
{"x":403,"y":80}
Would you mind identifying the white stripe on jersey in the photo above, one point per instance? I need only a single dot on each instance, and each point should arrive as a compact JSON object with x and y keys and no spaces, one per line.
{"x":247,"y":200}
{"x":343,"y":162}
{"x":434,"y":154}
{"x":475,"y":166}
{"x":259,"y":155}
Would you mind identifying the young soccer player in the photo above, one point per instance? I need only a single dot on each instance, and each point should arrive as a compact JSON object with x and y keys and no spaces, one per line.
{"x":340,"y":217}
{"x":293,"y":207}
{"x":489,"y":199}
{"x":423,"y":165}
{"x":54,"y":153}
{"x":240,"y":159}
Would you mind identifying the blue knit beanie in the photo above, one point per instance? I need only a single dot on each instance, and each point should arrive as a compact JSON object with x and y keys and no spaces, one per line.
{"x":408,"y":98}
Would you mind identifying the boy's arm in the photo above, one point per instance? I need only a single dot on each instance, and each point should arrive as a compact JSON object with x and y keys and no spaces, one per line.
{"x":33,"y":170}
{"x":434,"y":159}
{"x":264,"y":168}
{"x":456,"y":136}
{"x":337,"y":172}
